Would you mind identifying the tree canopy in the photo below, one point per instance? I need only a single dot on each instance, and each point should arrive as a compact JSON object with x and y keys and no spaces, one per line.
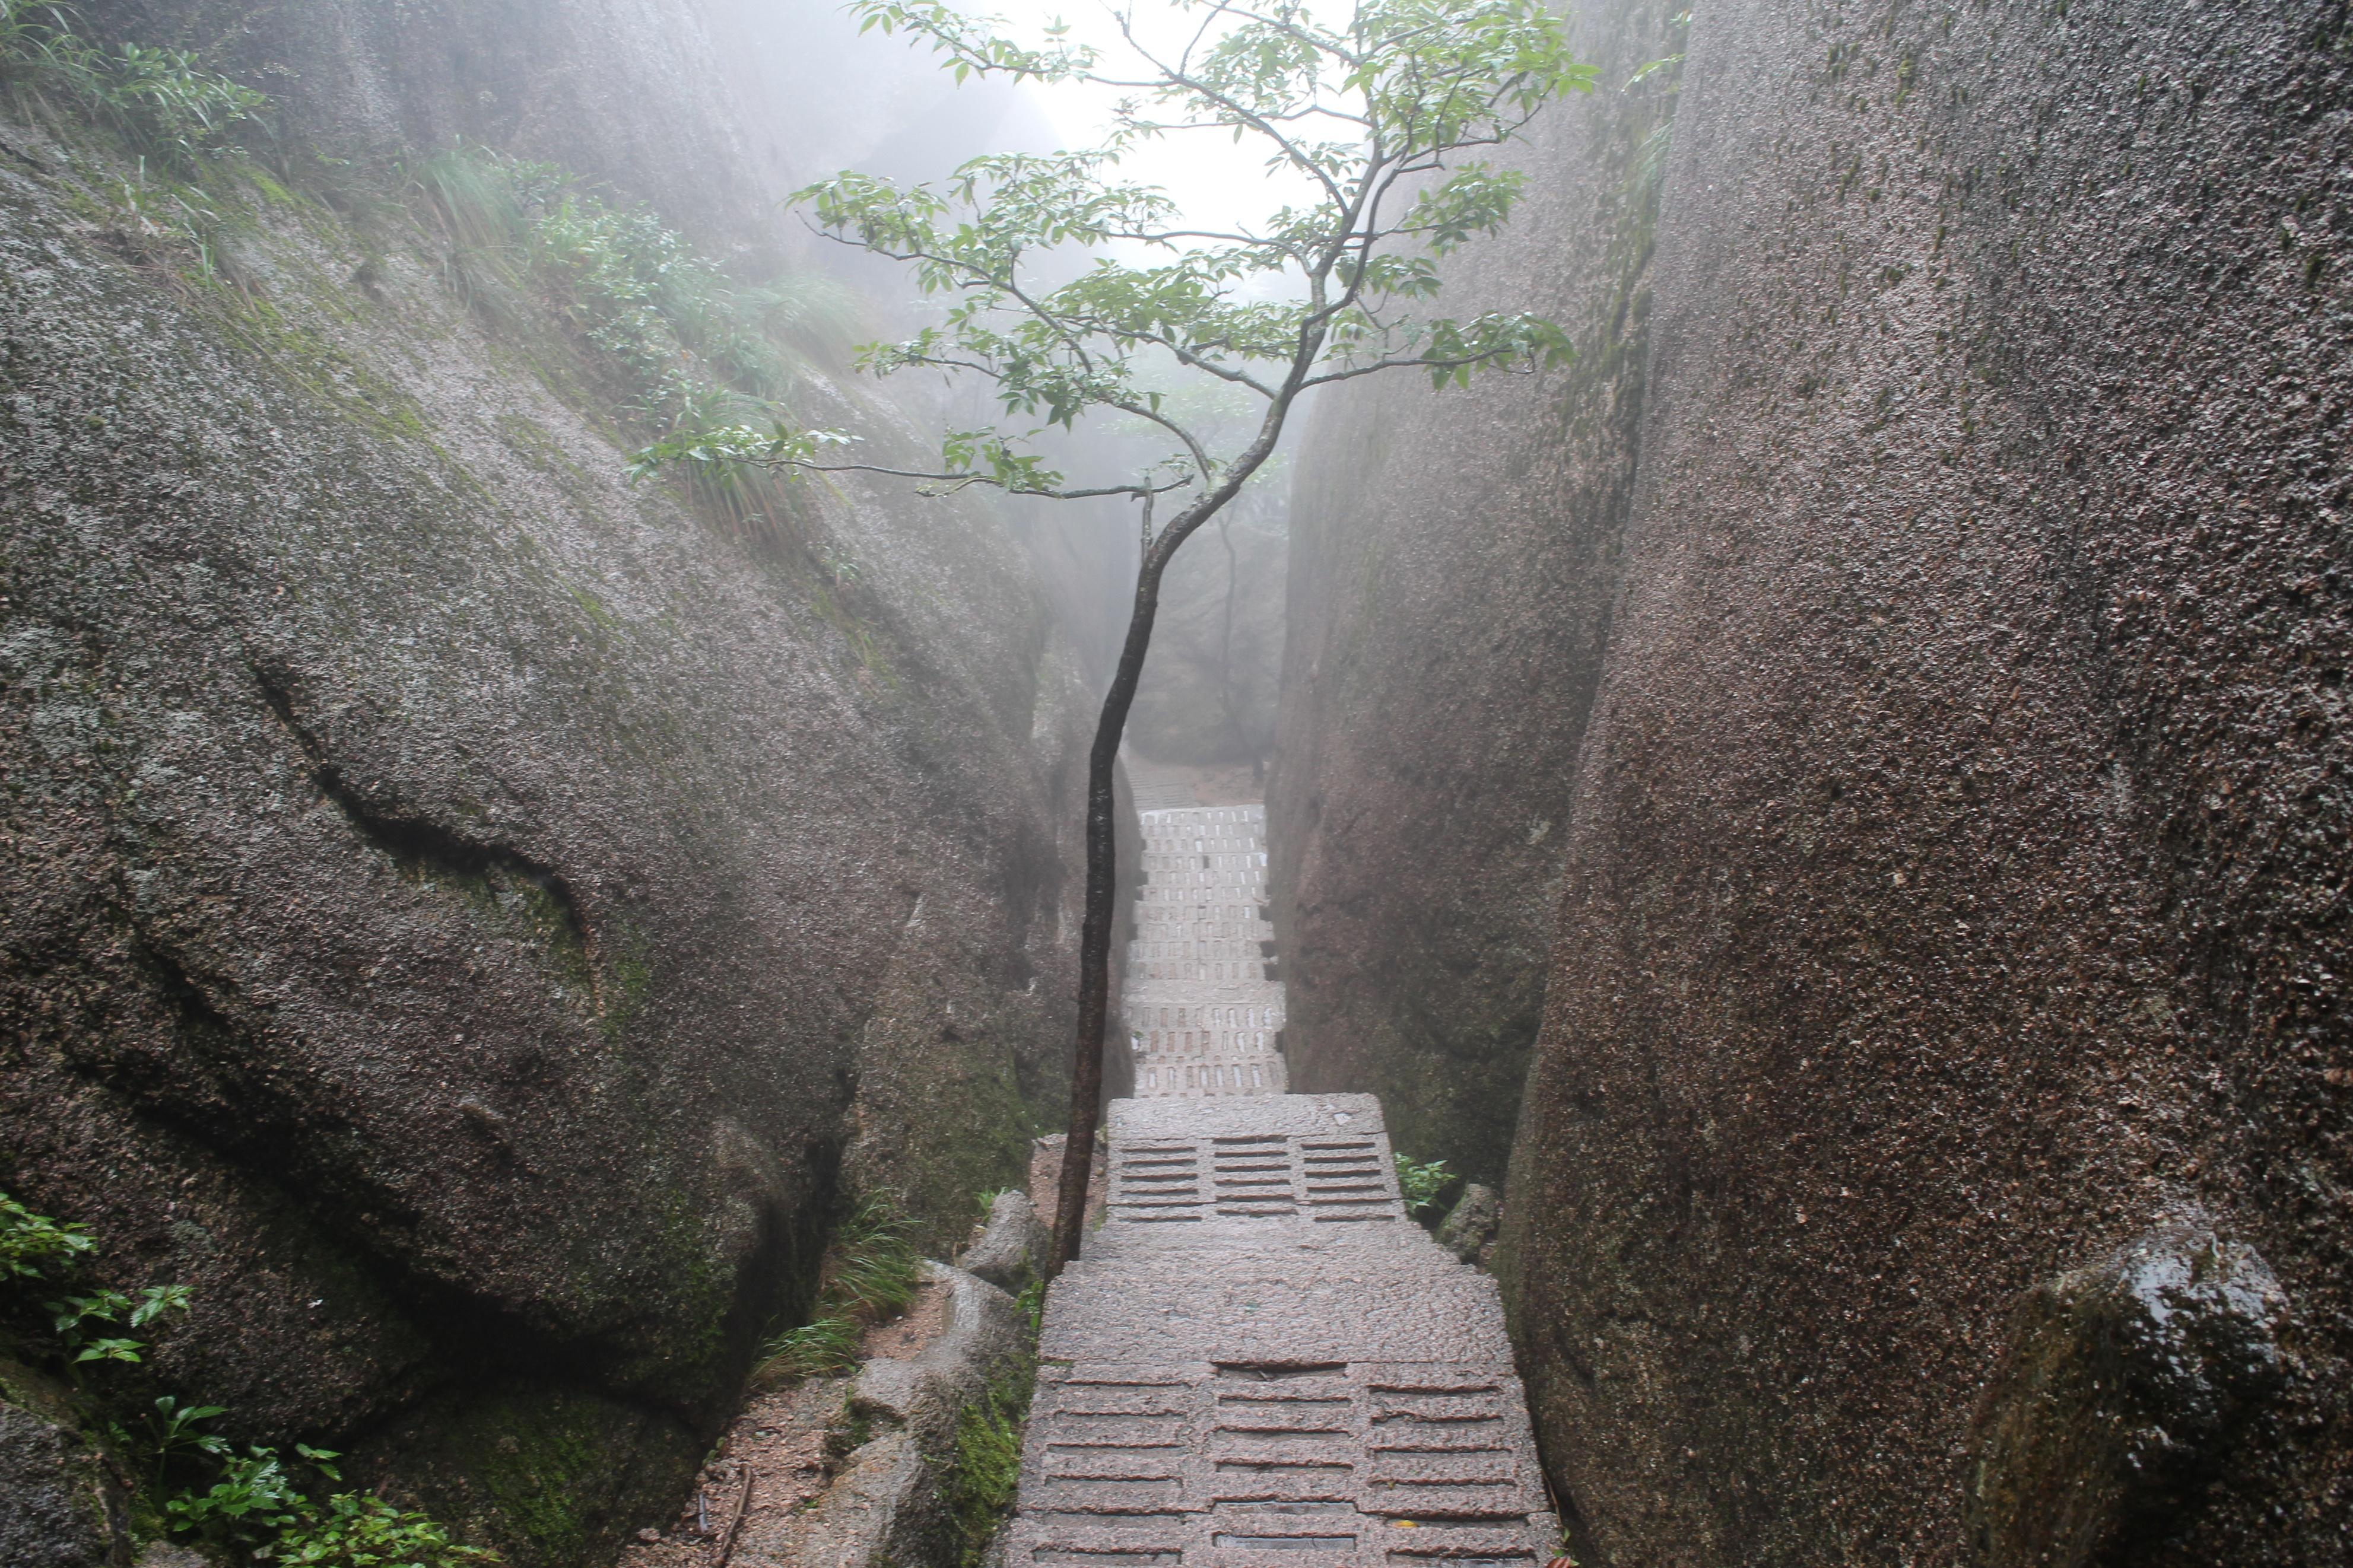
{"x":1382,"y":119}
{"x":1380,"y":123}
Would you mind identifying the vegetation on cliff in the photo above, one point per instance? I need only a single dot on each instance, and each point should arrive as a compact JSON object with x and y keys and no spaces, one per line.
{"x":261,"y":1505}
{"x":461,"y":983}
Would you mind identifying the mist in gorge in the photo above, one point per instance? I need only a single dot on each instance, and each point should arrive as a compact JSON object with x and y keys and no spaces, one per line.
{"x":1437,"y":782}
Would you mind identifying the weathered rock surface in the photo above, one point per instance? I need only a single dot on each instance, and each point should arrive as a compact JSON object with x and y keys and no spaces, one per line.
{"x":894,"y":1501}
{"x":468,"y":913}
{"x":54,"y":1496}
{"x":1955,"y":882}
{"x":1013,"y":1245}
{"x":1470,"y":1226}
{"x":1953,"y":847}
{"x":2122,"y":1387}
{"x":1452,"y":570}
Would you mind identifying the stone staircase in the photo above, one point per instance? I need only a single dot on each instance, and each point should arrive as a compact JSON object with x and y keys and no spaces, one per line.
{"x":1203,"y":1018}
{"x":1259,"y":1355}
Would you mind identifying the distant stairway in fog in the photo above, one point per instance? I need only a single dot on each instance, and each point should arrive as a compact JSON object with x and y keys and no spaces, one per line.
{"x":1202,"y":1017}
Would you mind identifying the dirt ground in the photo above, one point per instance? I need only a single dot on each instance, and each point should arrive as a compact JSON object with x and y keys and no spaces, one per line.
{"x":785,"y":1437}
{"x":781,"y":1438}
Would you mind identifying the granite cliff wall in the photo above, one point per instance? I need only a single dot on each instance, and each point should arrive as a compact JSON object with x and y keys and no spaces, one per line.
{"x":1932,"y":1150}
{"x":468,"y":913}
{"x":1451,"y":576}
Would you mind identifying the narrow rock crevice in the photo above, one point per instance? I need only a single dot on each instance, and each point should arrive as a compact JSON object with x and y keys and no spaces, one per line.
{"x":417,"y":843}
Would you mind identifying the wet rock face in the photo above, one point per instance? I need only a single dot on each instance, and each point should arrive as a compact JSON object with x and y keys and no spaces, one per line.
{"x":53,"y":1510}
{"x":1452,"y":569}
{"x":468,"y":913}
{"x":1956,"y":882}
{"x":1469,"y":1225}
{"x":2121,"y":1387}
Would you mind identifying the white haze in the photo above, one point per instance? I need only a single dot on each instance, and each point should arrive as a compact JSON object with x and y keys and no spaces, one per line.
{"x":1216,"y":182}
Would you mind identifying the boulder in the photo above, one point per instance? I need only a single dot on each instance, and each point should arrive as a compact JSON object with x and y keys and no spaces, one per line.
{"x":58,"y":1507}
{"x":2121,"y":1388}
{"x":1468,"y":1228}
{"x":1012,"y":1249}
{"x":894,"y":1500}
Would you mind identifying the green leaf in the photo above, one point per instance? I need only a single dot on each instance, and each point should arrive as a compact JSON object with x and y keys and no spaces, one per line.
{"x":1072,"y":292}
{"x":31,"y":1242}
{"x":156,"y":1301}
{"x":111,"y":1350}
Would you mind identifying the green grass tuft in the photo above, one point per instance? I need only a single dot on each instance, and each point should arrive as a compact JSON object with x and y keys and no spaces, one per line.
{"x":869,"y":1275}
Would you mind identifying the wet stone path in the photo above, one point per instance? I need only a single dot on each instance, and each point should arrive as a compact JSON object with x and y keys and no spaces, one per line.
{"x":1259,"y":1356}
{"x":1201,"y":1013}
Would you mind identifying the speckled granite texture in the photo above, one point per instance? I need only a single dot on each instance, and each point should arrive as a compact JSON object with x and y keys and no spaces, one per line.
{"x":1453,"y":568}
{"x":1914,"y":701}
{"x":1957,"y":882}
{"x":469,"y":914}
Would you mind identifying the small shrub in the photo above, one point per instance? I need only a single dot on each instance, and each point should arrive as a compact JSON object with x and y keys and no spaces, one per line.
{"x":356,"y":1530}
{"x":1422,"y":1185}
{"x":257,"y":1510}
{"x":256,"y":1507}
{"x":162,"y":102}
{"x":171,"y":1430}
{"x":31,"y":1245}
{"x":254,"y":1498}
{"x":79,"y":1318}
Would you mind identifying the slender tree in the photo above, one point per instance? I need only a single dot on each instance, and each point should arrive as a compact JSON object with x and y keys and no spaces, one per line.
{"x":1379,"y":119}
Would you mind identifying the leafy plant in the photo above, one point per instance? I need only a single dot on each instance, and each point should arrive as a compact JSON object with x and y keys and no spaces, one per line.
{"x":259,"y":1509}
{"x":256,"y":1504}
{"x":1650,"y":156}
{"x":31,"y":1244}
{"x":702,"y":359}
{"x":869,"y":1275}
{"x":1422,"y":1185}
{"x":172,"y":1430}
{"x":254,"y":1499}
{"x":1380,"y":114}
{"x":76,"y":1315}
{"x":357,"y":1529}
{"x":164,"y":101}
{"x":167,"y":101}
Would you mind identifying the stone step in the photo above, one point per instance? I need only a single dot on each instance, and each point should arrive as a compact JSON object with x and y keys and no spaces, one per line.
{"x":1313,"y":1379}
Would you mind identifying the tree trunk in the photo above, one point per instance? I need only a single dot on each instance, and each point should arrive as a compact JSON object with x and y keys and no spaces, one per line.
{"x":1103,"y":816}
{"x":1094,"y":931}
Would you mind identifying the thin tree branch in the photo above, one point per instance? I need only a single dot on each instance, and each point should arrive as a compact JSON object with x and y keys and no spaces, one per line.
{"x":965,"y":480}
{"x":1328,"y":377}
